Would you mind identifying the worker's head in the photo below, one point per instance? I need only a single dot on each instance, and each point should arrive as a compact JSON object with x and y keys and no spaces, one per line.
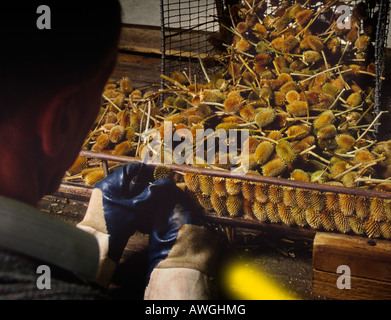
{"x":54,"y":62}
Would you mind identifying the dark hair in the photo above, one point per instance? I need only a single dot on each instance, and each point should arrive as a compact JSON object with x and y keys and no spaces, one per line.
{"x":33,"y":59}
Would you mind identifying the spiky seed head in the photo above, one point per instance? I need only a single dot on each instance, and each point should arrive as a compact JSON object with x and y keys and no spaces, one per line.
{"x":345,"y":141}
{"x":275,"y":193}
{"x":347,"y":204}
{"x":377,"y":209}
{"x":311,"y":56}
{"x":363,"y":156}
{"x":206,"y":184}
{"x":297,"y":108}
{"x":372,"y":228}
{"x":124,"y":148}
{"x":93,"y":176}
{"x":234,"y":205}
{"x":259,"y":211}
{"x":78,"y":165}
{"x":219,"y":204}
{"x":357,"y":225}
{"x":300,"y":175}
{"x":327,"y":132}
{"x":313,"y":218}
{"x":162,"y":172}
{"x":261,"y":191}
{"x":342,"y":222}
{"x":285,"y":151}
{"x":272,"y":212}
{"x":192,"y":182}
{"x":303,"y":17}
{"x":327,"y":220}
{"x":274,"y":168}
{"x":233,"y":186}
{"x":204,"y":201}
{"x":263,"y":151}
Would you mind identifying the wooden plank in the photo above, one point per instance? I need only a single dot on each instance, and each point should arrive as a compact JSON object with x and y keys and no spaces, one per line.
{"x":325,"y":284}
{"x":142,"y":39}
{"x":366,"y":258}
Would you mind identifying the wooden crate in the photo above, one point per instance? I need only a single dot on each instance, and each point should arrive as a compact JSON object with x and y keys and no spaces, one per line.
{"x":367,"y":260}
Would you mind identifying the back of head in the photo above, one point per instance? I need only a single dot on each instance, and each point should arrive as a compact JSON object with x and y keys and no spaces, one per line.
{"x":44,"y":48}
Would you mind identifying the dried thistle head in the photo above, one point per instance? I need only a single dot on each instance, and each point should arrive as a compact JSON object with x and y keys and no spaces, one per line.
{"x":274,"y":168}
{"x":285,"y":151}
{"x":263,"y":152}
{"x":345,"y":141}
{"x":297,"y":108}
{"x":264,"y":117}
{"x":326,"y":132}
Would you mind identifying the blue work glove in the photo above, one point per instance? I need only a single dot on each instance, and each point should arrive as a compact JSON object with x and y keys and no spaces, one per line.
{"x":118,"y":207}
{"x":183,"y":253}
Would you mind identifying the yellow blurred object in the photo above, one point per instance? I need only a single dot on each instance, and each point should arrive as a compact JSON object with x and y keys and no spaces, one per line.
{"x":245,"y":282}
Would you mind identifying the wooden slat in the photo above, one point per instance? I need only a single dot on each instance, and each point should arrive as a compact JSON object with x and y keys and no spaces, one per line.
{"x":324,"y":284}
{"x":369,"y":263}
{"x":367,"y":258}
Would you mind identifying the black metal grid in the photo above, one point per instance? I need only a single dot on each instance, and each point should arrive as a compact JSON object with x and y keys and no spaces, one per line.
{"x":186,"y":26}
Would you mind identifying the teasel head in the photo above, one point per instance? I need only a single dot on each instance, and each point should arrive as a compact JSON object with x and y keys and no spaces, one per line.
{"x":313,"y":218}
{"x":234,"y":102}
{"x":297,"y":108}
{"x":243,"y":45}
{"x":274,"y":168}
{"x":303,"y":198}
{"x":347,"y":204}
{"x":326,"y":132}
{"x":163,"y":172}
{"x":126,"y":85}
{"x":264,"y":117}
{"x":317,"y":200}
{"x":78,"y":165}
{"x":206,"y":184}
{"x":241,"y":27}
{"x":233,"y":186}
{"x":300,"y":175}
{"x":372,"y":228}
{"x":261,"y":191}
{"x":357,"y":225}
{"x":315,"y":43}
{"x":363,"y":156}
{"x":248,"y":113}
{"x":285,"y":214}
{"x":349,"y":179}
{"x":342,"y":222}
{"x":219,"y":204}
{"x":219,"y":186}
{"x":327,"y":220}
{"x":204,"y":201}
{"x":354,"y":99}
{"x":362,"y":43}
{"x":377,"y":209}
{"x":91,"y":177}
{"x":299,"y":131}
{"x":303,"y":17}
{"x":124,"y":148}
{"x":263,"y":152}
{"x":103,"y":141}
{"x":279,"y":98}
{"x":285,"y":151}
{"x":288,"y":86}
{"x":259,"y":31}
{"x":385,"y":229}
{"x":248,"y":190}
{"x":311,"y":56}
{"x":272,"y":212}
{"x":292,"y":96}
{"x":338,"y":167}
{"x":275,"y":135}
{"x":192,"y":182}
{"x":345,"y":141}
{"x":275,"y":193}
{"x":234,"y":205}
{"x":213,"y":95}
{"x":259,"y":211}
{"x":330,"y":89}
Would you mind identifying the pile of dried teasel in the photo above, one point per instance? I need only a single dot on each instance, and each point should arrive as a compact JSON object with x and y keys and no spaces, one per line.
{"x":304,"y":87}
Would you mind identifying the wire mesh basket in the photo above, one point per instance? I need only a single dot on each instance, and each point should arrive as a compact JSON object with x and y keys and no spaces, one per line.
{"x":259,"y":200}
